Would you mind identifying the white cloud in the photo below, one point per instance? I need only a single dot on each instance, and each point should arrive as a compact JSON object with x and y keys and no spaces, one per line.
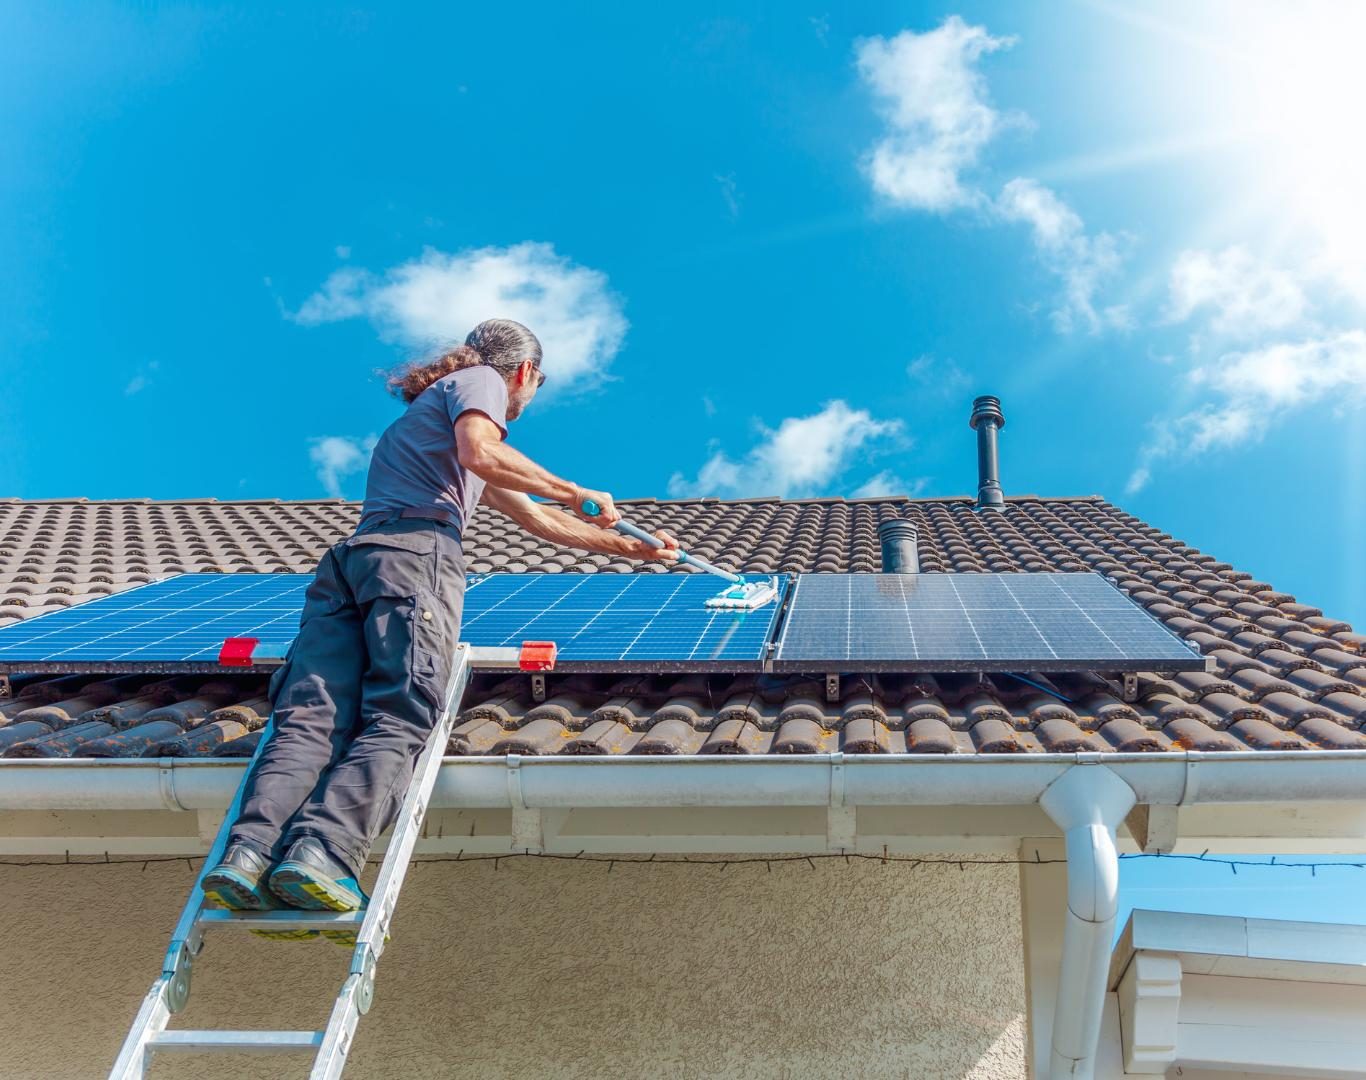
{"x":938,"y":375}
{"x":1080,"y":260}
{"x":1242,"y":295}
{"x":437,"y":299}
{"x":801,"y":457}
{"x":1252,"y":391}
{"x":343,"y":251}
{"x":140,"y":381}
{"x":937,"y":111}
{"x":940,"y":118}
{"x":729,"y":193}
{"x":338,"y":456}
{"x":889,"y":483}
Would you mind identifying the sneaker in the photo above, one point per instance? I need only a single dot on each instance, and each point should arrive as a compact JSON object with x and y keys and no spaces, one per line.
{"x":238,"y":884}
{"x":308,"y":877}
{"x":238,"y":881}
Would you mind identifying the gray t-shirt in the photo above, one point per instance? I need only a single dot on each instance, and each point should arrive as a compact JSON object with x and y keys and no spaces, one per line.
{"x":415,"y":462}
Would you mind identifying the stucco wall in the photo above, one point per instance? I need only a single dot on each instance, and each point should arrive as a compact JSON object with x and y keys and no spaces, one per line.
{"x":543,"y":968}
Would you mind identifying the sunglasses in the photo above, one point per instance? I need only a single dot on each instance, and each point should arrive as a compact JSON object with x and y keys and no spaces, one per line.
{"x":540,"y":378}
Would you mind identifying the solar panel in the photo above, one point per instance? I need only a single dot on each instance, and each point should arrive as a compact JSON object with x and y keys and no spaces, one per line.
{"x":619,"y":622}
{"x":973,"y":622}
{"x":600,"y":622}
{"x":179,"y":621}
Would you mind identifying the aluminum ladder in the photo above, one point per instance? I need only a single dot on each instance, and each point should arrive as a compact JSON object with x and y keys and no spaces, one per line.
{"x":170,"y":993}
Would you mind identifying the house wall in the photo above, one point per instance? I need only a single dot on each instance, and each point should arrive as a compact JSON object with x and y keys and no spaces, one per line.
{"x":544,"y":968}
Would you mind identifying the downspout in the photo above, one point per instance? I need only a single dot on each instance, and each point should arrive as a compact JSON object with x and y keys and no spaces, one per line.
{"x":1088,"y":802}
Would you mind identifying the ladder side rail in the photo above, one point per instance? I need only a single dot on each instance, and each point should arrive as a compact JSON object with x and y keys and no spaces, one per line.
{"x":358,"y":990}
{"x":172,"y":988}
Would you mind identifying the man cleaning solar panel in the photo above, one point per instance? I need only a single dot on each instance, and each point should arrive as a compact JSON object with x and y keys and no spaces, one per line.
{"x":364,"y":683}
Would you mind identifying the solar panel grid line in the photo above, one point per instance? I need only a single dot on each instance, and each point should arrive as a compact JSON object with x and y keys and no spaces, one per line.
{"x":1025,"y":612}
{"x":910,"y":624}
{"x":30,"y":623}
{"x":1086,"y":615}
{"x":971,"y":625}
{"x":189,"y":588}
{"x":970,"y":622}
{"x":528,"y":585}
{"x":598,"y":614}
{"x":245,"y":631}
{"x":651,"y":620}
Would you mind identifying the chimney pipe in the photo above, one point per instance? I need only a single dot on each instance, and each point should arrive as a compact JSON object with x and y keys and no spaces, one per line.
{"x":987,"y":419}
{"x":900,"y":546}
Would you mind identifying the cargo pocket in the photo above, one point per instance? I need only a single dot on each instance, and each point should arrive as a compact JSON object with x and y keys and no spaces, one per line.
{"x":432,"y":648}
{"x":389,"y":564}
{"x":418,"y":541}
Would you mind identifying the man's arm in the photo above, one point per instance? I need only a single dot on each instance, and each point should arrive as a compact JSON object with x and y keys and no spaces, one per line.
{"x":481,"y":450}
{"x":559,"y":528}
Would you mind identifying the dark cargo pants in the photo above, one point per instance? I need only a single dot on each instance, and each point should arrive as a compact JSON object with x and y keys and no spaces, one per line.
{"x":360,"y":691}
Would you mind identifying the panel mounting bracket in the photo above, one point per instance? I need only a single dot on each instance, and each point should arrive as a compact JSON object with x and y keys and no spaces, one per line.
{"x":832,"y":688}
{"x":538,"y":687}
{"x":5,"y":689}
{"x":1130,"y":686}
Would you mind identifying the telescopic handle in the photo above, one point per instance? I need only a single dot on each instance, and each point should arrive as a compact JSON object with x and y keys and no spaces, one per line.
{"x":592,"y":509}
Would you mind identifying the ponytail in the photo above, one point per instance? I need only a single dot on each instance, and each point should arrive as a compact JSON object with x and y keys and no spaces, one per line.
{"x":500,"y":343}
{"x":411,"y":379}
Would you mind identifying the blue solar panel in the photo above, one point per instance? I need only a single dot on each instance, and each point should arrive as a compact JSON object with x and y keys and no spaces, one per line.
{"x":973,"y":622}
{"x":183,"y":619}
{"x":607,"y":622}
{"x":619,"y":622}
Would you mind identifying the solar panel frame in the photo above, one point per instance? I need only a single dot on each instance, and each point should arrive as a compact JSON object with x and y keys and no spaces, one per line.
{"x":972,"y":637}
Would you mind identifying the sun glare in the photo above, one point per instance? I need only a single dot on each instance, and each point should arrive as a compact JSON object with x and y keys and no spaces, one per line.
{"x":1278,"y":92}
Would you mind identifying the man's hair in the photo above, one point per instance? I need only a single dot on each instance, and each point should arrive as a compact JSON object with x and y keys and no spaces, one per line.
{"x":500,"y":343}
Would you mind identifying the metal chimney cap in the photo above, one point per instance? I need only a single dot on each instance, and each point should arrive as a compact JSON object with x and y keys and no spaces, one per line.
{"x":898,"y":527}
{"x":987,"y":408}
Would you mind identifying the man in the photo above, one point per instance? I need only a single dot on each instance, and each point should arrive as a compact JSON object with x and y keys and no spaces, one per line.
{"x":366,"y":678}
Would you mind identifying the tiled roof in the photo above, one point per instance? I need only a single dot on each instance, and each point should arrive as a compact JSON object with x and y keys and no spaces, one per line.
{"x":1286,"y":676}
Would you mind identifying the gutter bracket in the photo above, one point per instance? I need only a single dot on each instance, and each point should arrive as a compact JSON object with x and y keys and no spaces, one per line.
{"x":166,"y":784}
{"x":1190,"y":789}
{"x":1088,"y":802}
{"x":841,"y":820}
{"x":528,"y":828}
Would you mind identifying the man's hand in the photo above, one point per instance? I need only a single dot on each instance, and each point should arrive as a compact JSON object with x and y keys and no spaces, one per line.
{"x":639,"y":549}
{"x":607,"y":515}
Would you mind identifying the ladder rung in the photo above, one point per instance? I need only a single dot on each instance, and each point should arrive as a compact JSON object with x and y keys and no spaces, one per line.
{"x":278,"y":920}
{"x":262,"y":1041}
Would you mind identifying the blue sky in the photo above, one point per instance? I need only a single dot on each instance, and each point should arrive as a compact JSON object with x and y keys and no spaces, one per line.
{"x":771,"y":250}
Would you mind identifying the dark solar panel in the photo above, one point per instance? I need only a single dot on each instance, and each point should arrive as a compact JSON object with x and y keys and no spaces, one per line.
{"x":973,"y":622}
{"x":607,"y":622}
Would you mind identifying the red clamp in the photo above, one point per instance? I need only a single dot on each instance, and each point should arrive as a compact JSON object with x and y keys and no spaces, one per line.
{"x":537,"y":656}
{"x":236,"y":651}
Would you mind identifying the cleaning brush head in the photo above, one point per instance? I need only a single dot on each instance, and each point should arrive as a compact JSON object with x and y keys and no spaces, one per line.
{"x":745,"y":595}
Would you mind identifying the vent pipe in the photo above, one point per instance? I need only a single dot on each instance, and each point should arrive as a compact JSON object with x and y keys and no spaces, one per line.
{"x":987,"y":419}
{"x":900,"y":546}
